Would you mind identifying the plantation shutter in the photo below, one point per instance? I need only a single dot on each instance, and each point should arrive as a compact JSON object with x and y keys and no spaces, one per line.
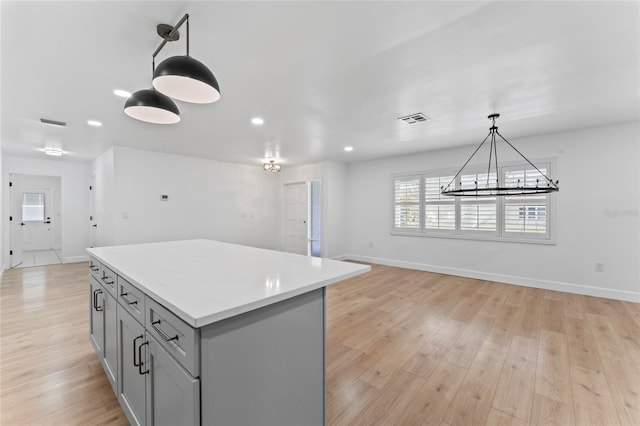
{"x":406,"y":203}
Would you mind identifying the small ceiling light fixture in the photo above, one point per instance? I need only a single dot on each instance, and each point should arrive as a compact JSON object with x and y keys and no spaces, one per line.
{"x":94,"y":123}
{"x":348,"y":148}
{"x":179,"y":77}
{"x":488,"y":188}
{"x":257,"y":121}
{"x":56,"y":152}
{"x":121,"y":93}
{"x":272,"y":166}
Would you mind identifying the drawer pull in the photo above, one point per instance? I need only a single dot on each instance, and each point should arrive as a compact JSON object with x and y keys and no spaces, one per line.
{"x":135,"y":302}
{"x":104,"y":279}
{"x":95,"y":300}
{"x":94,"y":268}
{"x":161,"y":332}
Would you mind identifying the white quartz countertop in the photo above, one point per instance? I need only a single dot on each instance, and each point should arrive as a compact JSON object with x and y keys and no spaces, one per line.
{"x":204,"y":281}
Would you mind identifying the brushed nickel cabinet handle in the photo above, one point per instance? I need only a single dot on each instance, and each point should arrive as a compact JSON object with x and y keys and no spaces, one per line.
{"x":95,"y":300}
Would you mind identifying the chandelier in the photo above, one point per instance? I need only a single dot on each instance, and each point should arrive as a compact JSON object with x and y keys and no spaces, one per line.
{"x":491,"y":187}
{"x":272,"y":166}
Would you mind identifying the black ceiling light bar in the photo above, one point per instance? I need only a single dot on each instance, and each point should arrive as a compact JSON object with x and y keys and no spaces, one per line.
{"x":492,"y":187}
{"x":179,"y":77}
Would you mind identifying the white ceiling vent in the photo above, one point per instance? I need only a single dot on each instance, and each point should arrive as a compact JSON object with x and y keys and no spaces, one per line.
{"x":414,"y":118}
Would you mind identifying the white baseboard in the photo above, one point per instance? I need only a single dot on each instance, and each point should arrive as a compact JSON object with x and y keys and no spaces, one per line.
{"x":75,"y":259}
{"x":608,"y":293}
{"x":341,"y":257}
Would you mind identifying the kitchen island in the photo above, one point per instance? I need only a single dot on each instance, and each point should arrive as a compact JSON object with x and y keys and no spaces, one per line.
{"x":204,"y":332}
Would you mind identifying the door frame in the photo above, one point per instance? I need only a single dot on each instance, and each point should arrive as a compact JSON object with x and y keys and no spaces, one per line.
{"x":283,"y":215}
{"x":6,"y":210}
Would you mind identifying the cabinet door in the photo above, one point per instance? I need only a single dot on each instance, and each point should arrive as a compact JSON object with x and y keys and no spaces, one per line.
{"x":173,"y":395}
{"x":131,"y":383}
{"x":110,"y":340}
{"x":96,"y":318}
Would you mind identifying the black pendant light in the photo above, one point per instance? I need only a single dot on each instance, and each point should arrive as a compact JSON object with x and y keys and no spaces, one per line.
{"x":183,"y":77}
{"x":491,"y":187}
{"x":152,"y":106}
{"x":179,"y":77}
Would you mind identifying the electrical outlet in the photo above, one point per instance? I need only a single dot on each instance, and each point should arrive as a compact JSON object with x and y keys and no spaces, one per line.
{"x":371,"y":244}
{"x":599,"y":267}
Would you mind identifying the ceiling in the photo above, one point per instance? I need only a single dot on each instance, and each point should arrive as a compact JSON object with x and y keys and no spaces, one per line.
{"x":323,"y":75}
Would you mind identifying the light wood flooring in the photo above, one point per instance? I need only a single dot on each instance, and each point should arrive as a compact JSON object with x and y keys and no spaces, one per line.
{"x":404,"y":348}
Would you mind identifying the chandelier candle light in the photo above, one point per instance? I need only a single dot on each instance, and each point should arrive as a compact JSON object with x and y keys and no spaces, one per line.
{"x":179,"y":77}
{"x":487,"y":188}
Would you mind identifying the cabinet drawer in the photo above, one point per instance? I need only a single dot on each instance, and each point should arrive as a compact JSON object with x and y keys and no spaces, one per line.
{"x":175,"y":335}
{"x":132,"y":299}
{"x":94,"y":268}
{"x":108,"y":278}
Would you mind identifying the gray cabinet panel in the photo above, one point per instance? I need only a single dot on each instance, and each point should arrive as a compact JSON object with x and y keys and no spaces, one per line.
{"x":173,"y":395}
{"x":266,"y":367}
{"x":96,"y":319}
{"x":110,"y":360}
{"x":131,"y":384}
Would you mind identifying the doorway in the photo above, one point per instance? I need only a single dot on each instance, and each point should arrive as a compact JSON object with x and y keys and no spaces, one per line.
{"x":35,"y":220}
{"x":303,"y":218}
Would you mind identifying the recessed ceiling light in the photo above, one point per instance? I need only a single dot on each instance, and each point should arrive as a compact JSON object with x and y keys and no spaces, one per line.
{"x":348,"y":148}
{"x":94,"y":123}
{"x":257,"y":121}
{"x":56,"y":152}
{"x":121,"y":93}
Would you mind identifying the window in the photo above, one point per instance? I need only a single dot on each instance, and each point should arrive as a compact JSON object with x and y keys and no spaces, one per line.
{"x":406,"y":193}
{"x":32,"y":206}
{"x":420,"y":209}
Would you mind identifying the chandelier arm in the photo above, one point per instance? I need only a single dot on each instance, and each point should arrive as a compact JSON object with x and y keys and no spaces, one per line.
{"x":172,"y":33}
{"x":495,"y":155}
{"x":493,"y":142}
{"x":465,"y":164}
{"x":527,"y":160}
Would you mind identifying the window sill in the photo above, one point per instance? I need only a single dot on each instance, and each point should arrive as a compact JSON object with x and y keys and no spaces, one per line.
{"x":475,"y":237}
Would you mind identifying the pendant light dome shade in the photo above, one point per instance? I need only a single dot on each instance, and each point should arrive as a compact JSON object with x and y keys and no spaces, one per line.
{"x":152,"y":106}
{"x":186,"y":79}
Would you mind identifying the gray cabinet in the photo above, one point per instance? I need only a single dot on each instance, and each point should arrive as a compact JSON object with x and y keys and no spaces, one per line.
{"x":153,"y":388}
{"x":102,"y":329}
{"x":173,"y":395}
{"x":96,"y":317}
{"x":131,"y":376}
{"x":110,"y":351}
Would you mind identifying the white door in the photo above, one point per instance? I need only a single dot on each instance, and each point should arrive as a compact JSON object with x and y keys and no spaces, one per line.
{"x":297,"y":228}
{"x":93,"y":225}
{"x":37,"y":212}
{"x":15,"y":233}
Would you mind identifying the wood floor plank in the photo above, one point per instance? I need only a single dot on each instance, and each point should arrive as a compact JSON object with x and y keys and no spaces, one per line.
{"x":431,"y":402}
{"x":549,"y":412}
{"x":391,"y":401}
{"x":472,"y":402}
{"x":583,"y":349}
{"x":499,"y":418}
{"x":514,"y":394}
{"x":591,"y":398}
{"x":625,"y":390}
{"x":552,"y":375}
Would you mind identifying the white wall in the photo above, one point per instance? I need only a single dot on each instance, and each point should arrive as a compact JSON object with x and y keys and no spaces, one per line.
{"x":597,"y":217}
{"x":74,"y":180}
{"x":207,"y":199}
